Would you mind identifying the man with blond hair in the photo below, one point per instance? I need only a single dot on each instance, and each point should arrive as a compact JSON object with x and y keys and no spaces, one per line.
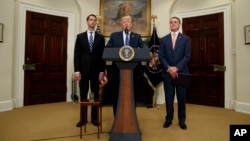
{"x":125,"y":37}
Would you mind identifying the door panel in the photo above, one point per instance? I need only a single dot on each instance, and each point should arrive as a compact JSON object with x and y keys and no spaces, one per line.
{"x":46,"y":48}
{"x":207,"y":42}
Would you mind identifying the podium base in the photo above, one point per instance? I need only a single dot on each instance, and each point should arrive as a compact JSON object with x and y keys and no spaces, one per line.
{"x":125,"y":137}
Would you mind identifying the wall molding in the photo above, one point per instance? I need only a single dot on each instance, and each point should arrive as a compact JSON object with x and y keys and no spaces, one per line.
{"x":242,"y":107}
{"x":226,"y":9}
{"x":20,"y":53}
{"x":6,"y":105}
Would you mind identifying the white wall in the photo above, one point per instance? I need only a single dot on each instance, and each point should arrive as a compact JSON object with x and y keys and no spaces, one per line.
{"x":162,"y":8}
{"x":6,"y":51}
{"x":242,"y":56}
{"x":210,"y":8}
{"x":87,"y":7}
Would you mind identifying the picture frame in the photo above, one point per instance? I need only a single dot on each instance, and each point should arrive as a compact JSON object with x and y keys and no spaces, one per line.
{"x":1,"y":32}
{"x":111,"y":12}
{"x":247,"y":34}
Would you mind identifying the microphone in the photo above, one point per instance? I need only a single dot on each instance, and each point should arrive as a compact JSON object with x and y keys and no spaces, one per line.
{"x":126,"y":30}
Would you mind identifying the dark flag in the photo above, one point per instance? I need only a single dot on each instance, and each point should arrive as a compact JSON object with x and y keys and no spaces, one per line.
{"x":154,"y":40}
{"x":104,"y":82}
{"x":154,"y":68}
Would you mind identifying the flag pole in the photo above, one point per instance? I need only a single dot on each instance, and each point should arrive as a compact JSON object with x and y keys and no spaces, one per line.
{"x":154,"y":17}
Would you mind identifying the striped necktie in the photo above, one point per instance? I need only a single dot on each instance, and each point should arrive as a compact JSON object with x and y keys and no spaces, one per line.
{"x":91,"y":41}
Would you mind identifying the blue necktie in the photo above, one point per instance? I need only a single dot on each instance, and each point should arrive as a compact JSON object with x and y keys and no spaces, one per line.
{"x":127,"y":40}
{"x":91,"y":41}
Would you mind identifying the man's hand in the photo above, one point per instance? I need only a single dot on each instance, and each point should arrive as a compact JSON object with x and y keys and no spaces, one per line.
{"x":101,"y":76}
{"x":77,"y":76}
{"x":173,"y":72}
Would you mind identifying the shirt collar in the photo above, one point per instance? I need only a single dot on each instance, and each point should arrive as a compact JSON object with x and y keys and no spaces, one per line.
{"x":125,"y":33}
{"x":93,"y":32}
{"x":176,"y":33}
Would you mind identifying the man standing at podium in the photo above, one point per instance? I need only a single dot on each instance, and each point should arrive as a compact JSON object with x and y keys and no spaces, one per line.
{"x":118,"y":39}
{"x":88,"y":65}
{"x":174,"y":54}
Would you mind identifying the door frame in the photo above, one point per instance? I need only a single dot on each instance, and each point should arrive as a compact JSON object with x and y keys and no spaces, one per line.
{"x":20,"y":48}
{"x":226,"y":10}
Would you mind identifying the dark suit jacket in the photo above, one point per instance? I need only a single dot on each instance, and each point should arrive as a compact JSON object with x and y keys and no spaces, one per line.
{"x":116,"y":41}
{"x":179,"y":56}
{"x":89,"y":63}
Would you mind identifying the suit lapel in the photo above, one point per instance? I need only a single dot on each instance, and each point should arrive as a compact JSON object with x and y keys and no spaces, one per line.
{"x":169,"y":42}
{"x":178,"y":40}
{"x":85,"y":40}
{"x":133,"y":40}
{"x":120,"y":39}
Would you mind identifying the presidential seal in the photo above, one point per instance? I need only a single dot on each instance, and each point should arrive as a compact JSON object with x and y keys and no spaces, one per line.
{"x":126,"y":53}
{"x":154,"y":66}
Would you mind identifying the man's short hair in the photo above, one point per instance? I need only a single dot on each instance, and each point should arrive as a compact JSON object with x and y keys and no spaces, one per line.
{"x":127,"y":17}
{"x":176,"y":18}
{"x":91,"y":15}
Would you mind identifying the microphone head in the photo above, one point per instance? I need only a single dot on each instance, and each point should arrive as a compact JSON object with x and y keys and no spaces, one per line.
{"x":126,"y":30}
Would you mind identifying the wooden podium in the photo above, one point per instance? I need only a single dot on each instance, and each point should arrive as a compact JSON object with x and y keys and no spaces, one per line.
{"x":125,"y":126}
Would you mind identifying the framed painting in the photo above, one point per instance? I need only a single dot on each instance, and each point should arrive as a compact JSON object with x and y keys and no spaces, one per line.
{"x":247,"y":34}
{"x":1,"y":32}
{"x":111,"y":12}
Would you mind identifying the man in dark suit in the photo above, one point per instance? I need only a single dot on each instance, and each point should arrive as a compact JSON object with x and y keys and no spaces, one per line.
{"x":88,"y":64}
{"x":174,"y":54}
{"x":117,"y":40}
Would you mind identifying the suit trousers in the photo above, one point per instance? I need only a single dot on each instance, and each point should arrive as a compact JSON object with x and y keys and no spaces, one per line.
{"x":170,"y":91}
{"x":84,"y":89}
